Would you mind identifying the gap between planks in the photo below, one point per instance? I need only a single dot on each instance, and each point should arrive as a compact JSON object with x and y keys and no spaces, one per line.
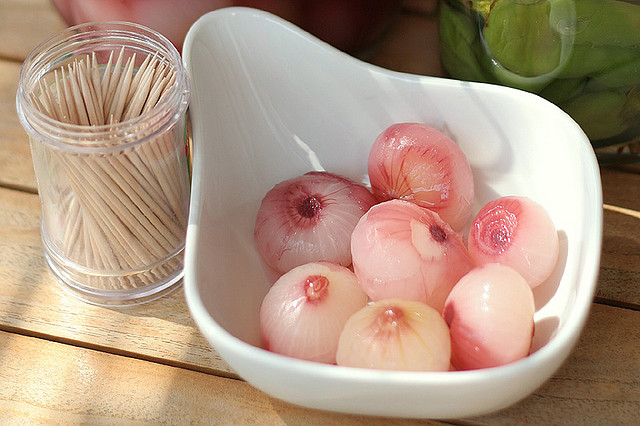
{"x":118,"y":352}
{"x":616,"y":303}
{"x":20,"y":188}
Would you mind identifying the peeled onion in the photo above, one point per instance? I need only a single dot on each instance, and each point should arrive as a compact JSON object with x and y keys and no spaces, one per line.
{"x":518,"y":232}
{"x":490,"y":317}
{"x":418,"y":163}
{"x":305,"y":310}
{"x":310,"y":218}
{"x":395,"y":335}
{"x":404,"y":251}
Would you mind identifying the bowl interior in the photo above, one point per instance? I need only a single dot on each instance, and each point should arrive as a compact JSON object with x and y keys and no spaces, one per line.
{"x":271,"y":102}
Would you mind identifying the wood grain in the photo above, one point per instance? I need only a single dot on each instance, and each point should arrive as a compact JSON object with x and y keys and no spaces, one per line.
{"x":48,"y":382}
{"x":619,"y":281}
{"x":599,"y":383}
{"x":31,"y":300}
{"x":24,"y":24}
{"x":162,"y":331}
{"x":33,"y":303}
{"x":16,"y":168}
{"x":63,"y":361}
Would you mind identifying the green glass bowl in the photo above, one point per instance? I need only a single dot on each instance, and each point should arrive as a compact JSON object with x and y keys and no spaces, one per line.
{"x":582,"y":55}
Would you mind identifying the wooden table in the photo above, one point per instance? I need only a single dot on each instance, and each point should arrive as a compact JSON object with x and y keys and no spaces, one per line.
{"x":64,"y":361}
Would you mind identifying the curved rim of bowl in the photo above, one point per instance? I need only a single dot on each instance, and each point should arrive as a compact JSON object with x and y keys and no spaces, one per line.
{"x":553,"y":353}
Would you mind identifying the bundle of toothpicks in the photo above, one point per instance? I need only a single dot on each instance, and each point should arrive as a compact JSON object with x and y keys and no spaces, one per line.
{"x":125,"y":209}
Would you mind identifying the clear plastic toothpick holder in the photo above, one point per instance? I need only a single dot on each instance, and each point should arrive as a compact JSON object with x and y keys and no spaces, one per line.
{"x":104,"y":105}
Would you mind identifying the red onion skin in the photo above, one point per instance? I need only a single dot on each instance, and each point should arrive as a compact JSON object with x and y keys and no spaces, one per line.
{"x":518,"y":232}
{"x":310,"y":218}
{"x":418,"y":163}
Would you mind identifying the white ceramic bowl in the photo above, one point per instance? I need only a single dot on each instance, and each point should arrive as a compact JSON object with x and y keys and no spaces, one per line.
{"x":271,"y":102}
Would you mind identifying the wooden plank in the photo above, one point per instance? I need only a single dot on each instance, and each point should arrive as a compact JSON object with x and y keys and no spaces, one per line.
{"x":44,"y":381}
{"x":599,"y":383}
{"x":48,"y":382}
{"x":621,"y":187}
{"x":24,"y":24}
{"x":16,"y":167}
{"x":619,"y":281}
{"x":31,"y":301}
